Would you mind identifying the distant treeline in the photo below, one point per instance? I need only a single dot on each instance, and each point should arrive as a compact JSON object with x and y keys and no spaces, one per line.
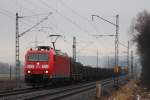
{"x":5,"y":68}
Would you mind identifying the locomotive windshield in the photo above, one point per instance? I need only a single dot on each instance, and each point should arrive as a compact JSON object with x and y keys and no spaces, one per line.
{"x":38,"y":57}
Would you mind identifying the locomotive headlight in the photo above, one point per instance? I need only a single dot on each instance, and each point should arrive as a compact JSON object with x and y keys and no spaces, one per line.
{"x":46,"y":71}
{"x":30,"y":66}
{"x":28,"y":71}
{"x":44,"y":66}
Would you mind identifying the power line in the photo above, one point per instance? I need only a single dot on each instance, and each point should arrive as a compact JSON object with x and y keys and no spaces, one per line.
{"x":75,"y":12}
{"x":28,"y":18}
{"x":27,"y":9}
{"x":6,"y":11}
{"x":30,"y":10}
{"x":10,"y":15}
{"x":29,"y":2}
{"x":59,"y":13}
{"x":6,"y":15}
{"x":123,"y":44}
{"x":35,"y":15}
{"x":35,"y":25}
{"x":68,"y":19}
{"x":66,"y":41}
{"x":48,"y":6}
{"x":33,"y":4}
{"x":85,"y":47}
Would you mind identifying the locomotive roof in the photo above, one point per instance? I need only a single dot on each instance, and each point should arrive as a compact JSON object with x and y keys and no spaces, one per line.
{"x":46,"y":49}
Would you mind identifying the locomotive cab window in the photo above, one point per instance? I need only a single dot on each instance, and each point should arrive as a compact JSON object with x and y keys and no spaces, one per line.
{"x":38,"y":57}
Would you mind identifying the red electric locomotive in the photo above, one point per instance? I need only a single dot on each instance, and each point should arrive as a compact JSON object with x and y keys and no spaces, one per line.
{"x":44,"y":65}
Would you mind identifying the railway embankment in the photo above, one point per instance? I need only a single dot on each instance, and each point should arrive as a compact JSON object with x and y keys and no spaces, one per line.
{"x":130,"y":91}
{"x":11,"y":84}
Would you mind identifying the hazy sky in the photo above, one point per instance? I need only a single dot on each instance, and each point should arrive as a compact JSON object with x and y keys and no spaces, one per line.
{"x":70,"y":18}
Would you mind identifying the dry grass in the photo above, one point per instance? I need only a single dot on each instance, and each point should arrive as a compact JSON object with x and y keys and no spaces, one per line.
{"x":130,"y":91}
{"x":7,"y":84}
{"x":126,"y":92}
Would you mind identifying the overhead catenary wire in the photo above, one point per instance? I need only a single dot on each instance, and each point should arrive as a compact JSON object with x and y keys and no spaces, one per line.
{"x":30,"y":2}
{"x":68,"y":19}
{"x":25,"y":8}
{"x":50,"y":7}
{"x":5,"y":14}
{"x":61,"y":33}
{"x":35,"y":25}
{"x":10,"y":15}
{"x":81,"y":16}
{"x":123,"y":44}
{"x":34,"y":14}
{"x":104,"y":44}
{"x":6,"y":11}
{"x":31,"y":17}
{"x":59,"y":13}
{"x":64,"y":4}
{"x":79,"y":26}
{"x":85,"y":47}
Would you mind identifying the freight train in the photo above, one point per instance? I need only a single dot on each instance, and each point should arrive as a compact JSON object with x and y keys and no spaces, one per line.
{"x":45,"y":65}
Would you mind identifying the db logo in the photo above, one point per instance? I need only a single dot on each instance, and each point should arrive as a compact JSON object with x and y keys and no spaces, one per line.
{"x":37,"y":65}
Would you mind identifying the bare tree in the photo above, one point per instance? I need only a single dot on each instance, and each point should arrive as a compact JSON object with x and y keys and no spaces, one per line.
{"x":141,"y":32}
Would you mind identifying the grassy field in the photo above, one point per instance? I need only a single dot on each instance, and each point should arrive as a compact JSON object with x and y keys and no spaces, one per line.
{"x":6,"y":77}
{"x":7,"y":83}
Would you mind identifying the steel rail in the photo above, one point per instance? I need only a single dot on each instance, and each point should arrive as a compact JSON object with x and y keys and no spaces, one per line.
{"x":66,"y":92}
{"x":15,"y":92}
{"x":53,"y":93}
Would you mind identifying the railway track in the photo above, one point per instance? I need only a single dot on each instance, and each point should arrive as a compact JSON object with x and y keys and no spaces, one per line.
{"x":62,"y":92}
{"x":65,"y":92}
{"x":15,"y":92}
{"x":30,"y":93}
{"x":70,"y":91}
{"x":54,"y":93}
